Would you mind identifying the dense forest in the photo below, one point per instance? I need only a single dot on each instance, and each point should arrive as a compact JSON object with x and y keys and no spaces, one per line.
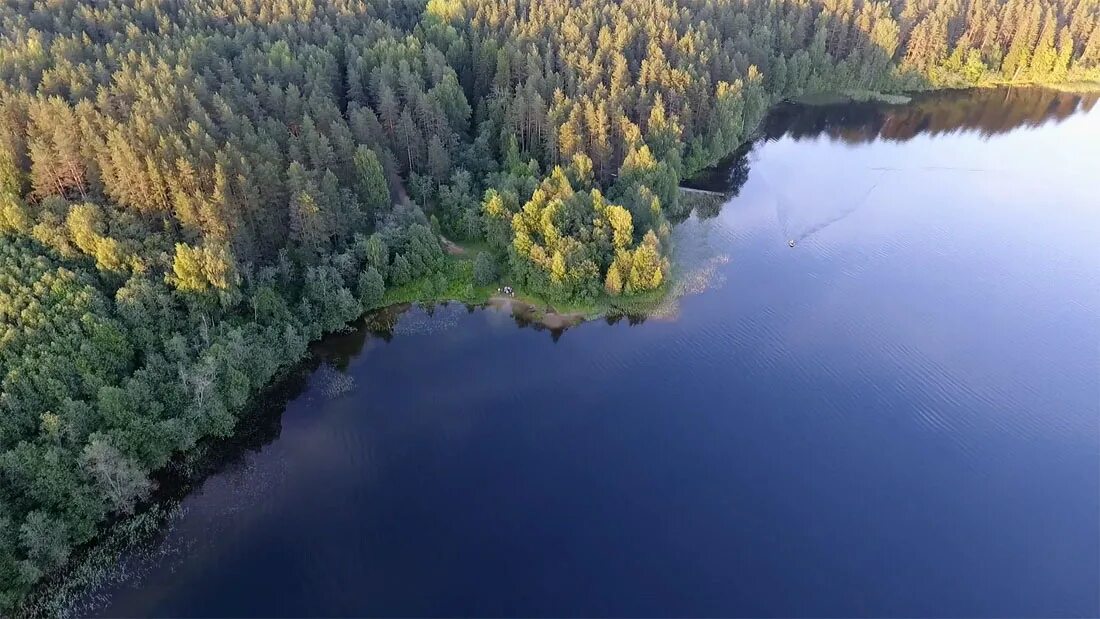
{"x":191,"y":192}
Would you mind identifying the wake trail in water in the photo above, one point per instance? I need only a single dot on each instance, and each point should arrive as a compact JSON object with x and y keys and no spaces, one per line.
{"x":782,"y":206}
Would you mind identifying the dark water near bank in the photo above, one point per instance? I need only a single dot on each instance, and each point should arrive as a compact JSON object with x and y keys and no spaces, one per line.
{"x":900,"y":416}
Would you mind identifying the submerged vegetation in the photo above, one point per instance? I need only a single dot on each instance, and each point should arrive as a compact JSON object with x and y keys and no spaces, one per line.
{"x":191,"y":192}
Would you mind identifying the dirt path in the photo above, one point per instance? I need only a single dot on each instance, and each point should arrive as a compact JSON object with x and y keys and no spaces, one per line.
{"x":450,"y":246}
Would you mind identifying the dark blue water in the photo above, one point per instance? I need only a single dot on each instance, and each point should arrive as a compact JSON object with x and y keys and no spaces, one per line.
{"x":899,"y":416}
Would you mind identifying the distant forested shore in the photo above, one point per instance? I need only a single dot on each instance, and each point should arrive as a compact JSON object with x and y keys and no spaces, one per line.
{"x":193,"y":191}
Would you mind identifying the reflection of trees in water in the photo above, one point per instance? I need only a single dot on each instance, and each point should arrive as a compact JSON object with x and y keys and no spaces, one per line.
{"x":612,"y":316}
{"x":727,"y":176}
{"x":383,"y":323}
{"x":261,"y":423}
{"x":258,"y":426}
{"x":987,"y":111}
{"x":631,"y":319}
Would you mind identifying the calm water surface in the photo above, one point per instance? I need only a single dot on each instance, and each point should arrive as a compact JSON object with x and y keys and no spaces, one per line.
{"x":899,"y":416}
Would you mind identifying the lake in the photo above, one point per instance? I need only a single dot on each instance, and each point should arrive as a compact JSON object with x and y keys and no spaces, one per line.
{"x":897,"y":416}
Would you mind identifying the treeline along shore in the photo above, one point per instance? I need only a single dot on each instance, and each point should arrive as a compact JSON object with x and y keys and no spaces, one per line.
{"x":192,"y":191}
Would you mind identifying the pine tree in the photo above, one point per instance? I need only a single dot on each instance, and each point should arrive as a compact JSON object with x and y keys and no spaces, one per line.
{"x":1045,"y":56}
{"x":1065,"y":53}
{"x":439,"y":162}
{"x":570,"y":137}
{"x":187,"y":268}
{"x":370,"y":183}
{"x":1090,"y":54}
{"x":307,"y":226}
{"x":1018,"y":57}
{"x":411,"y":141}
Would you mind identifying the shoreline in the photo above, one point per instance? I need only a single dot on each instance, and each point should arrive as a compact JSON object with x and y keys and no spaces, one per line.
{"x":840,"y":97}
{"x":96,"y":564}
{"x":549,"y":317}
{"x":553,"y":317}
{"x":528,"y":309}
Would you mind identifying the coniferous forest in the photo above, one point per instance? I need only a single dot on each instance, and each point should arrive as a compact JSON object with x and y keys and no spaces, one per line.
{"x":192,"y":191}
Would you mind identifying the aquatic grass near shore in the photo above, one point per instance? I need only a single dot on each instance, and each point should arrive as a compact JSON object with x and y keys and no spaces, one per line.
{"x":78,"y":590}
{"x":334,"y":383}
